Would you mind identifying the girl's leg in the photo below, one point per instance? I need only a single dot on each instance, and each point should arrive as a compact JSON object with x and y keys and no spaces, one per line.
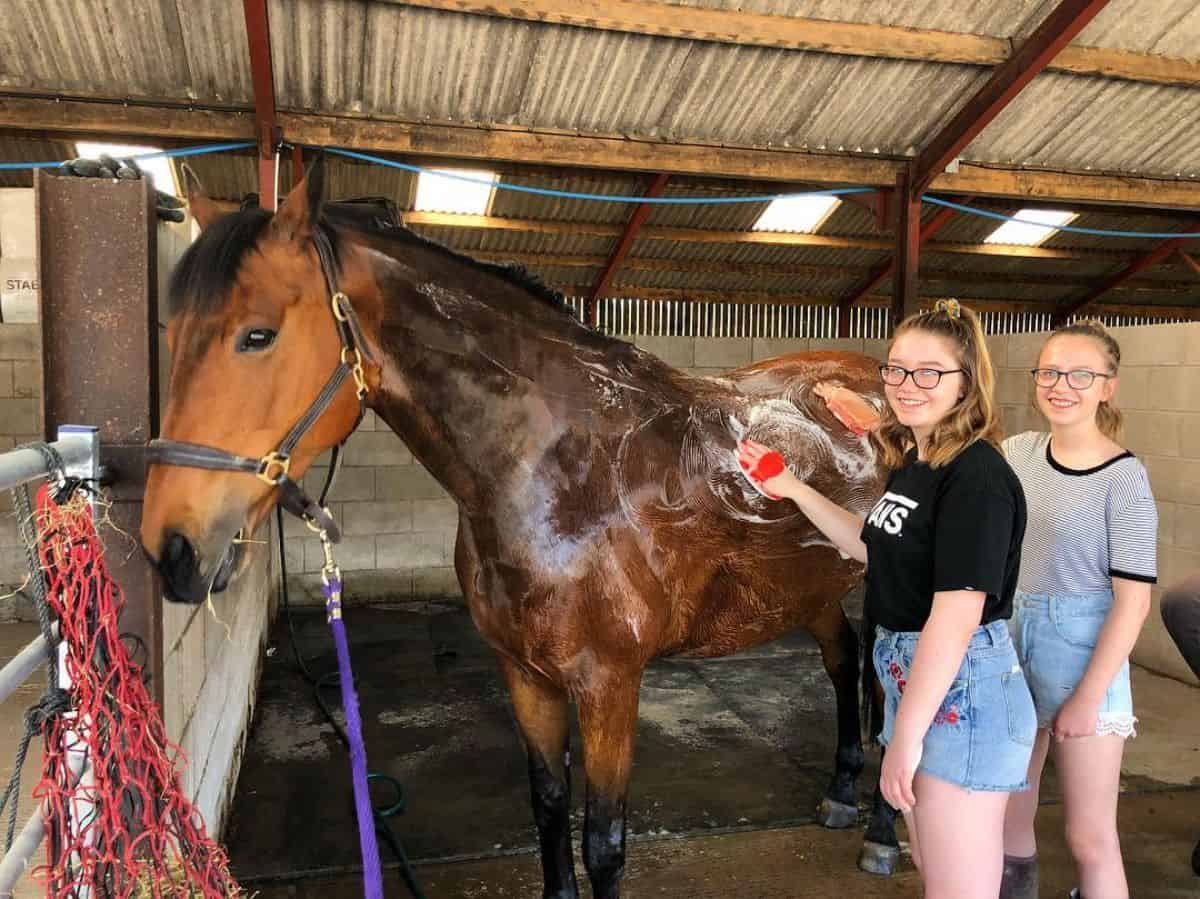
{"x":1019,"y":840}
{"x":961,"y":835}
{"x":1089,"y":769}
{"x":1021,"y":875}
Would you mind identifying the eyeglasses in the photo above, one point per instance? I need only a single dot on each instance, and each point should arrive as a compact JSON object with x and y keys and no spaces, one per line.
{"x":1077,"y":379}
{"x":925,"y":378}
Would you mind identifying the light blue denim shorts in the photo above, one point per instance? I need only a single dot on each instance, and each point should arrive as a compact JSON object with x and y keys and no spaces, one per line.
{"x":982,"y":735}
{"x":1055,"y":636}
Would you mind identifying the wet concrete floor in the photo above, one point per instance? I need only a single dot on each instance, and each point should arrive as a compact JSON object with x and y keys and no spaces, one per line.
{"x":732,"y":757}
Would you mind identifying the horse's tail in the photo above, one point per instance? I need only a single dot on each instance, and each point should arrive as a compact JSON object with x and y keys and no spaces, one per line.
{"x":872,"y":705}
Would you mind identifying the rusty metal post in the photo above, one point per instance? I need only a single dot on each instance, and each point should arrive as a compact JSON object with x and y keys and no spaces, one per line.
{"x":98,"y":265}
{"x":908,"y":250}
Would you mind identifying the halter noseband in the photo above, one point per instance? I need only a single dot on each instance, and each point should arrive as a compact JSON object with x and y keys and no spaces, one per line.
{"x":274,"y":467}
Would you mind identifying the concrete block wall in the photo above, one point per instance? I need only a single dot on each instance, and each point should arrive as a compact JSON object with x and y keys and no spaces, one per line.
{"x":400,"y":524}
{"x":20,"y":385}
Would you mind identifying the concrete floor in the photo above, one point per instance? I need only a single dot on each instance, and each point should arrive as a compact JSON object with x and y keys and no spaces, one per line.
{"x":732,"y":757}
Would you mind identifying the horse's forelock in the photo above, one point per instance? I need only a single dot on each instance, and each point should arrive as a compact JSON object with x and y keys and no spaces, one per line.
{"x":206,"y":273}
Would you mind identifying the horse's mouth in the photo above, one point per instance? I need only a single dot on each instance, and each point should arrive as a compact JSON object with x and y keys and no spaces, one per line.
{"x":226,"y":567}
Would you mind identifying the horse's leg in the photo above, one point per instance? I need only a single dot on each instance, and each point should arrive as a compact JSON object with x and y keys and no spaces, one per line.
{"x":541,"y":710}
{"x":881,"y":849}
{"x":608,"y":707}
{"x":839,"y":650}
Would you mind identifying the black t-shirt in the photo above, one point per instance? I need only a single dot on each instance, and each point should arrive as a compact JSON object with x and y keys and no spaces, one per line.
{"x":958,"y":527}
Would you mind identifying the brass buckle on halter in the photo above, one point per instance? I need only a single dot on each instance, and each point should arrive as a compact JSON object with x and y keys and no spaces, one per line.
{"x":338,"y":312}
{"x":273,"y":468}
{"x":352,"y":357}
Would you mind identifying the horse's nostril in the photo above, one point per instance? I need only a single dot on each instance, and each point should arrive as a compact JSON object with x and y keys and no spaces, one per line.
{"x":179,"y":570}
{"x":177,"y":550}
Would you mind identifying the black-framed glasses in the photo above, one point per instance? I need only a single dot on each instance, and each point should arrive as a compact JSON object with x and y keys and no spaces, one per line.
{"x":925,"y":378}
{"x":1077,"y":378}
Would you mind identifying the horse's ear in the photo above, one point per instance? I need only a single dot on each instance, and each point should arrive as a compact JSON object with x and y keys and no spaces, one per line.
{"x":301,"y":208}
{"x":203,"y":210}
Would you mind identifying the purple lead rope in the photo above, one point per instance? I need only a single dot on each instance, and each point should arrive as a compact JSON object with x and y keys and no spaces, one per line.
{"x":372,"y":875}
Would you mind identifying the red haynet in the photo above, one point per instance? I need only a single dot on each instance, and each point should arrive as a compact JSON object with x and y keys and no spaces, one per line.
{"x":127,"y":830}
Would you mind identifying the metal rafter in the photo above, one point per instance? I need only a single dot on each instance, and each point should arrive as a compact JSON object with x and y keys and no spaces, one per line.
{"x":258,"y":38}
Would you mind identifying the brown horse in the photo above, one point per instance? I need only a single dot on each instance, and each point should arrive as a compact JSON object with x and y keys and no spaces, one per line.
{"x":603,"y":520}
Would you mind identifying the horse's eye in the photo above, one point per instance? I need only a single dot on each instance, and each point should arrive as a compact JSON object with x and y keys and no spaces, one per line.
{"x":256,"y":339}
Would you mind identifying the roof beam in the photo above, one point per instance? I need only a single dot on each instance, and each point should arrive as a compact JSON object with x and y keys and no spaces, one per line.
{"x":980,"y":305}
{"x":1190,"y":260}
{"x":1057,"y":30}
{"x":759,"y":269}
{"x":770,"y":238}
{"x":1146,"y":260}
{"x":880,"y":273}
{"x":258,"y":38}
{"x":74,"y":117}
{"x":625,"y":241}
{"x":794,"y":33}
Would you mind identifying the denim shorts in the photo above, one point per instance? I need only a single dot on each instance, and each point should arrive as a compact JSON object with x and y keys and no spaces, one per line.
{"x":982,"y":735}
{"x":1055,"y":636}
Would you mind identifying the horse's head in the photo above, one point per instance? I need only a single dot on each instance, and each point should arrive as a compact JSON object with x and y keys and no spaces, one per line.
{"x":253,"y":341}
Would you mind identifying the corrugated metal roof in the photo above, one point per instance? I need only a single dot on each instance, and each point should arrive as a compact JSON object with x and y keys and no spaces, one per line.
{"x":512,"y":204}
{"x":230,"y":176}
{"x":1065,"y":122}
{"x":344,"y":56}
{"x":1000,"y":19}
{"x":156,"y":50}
{"x":392,"y":61}
{"x":386,"y":60}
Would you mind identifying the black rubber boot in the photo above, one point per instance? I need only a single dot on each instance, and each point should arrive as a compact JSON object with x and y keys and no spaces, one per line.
{"x":1020,"y":879}
{"x":1196,"y":859}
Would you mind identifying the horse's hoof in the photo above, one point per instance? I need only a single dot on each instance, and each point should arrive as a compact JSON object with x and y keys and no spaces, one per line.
{"x":876,"y":858}
{"x":837,"y":815}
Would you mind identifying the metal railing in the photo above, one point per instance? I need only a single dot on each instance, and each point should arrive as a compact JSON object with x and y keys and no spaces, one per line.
{"x":79,"y":449}
{"x":640,"y":317}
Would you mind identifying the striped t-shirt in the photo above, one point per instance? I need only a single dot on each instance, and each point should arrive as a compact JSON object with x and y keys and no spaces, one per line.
{"x":1085,"y":527}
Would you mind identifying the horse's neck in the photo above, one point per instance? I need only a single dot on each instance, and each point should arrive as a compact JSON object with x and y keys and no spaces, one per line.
{"x":481,"y":389}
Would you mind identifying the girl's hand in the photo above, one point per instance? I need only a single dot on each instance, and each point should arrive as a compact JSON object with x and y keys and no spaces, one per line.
{"x":1077,"y":717}
{"x":900,"y":762}
{"x":766,"y":468}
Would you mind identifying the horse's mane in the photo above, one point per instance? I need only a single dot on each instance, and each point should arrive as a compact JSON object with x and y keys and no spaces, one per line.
{"x":206,"y":273}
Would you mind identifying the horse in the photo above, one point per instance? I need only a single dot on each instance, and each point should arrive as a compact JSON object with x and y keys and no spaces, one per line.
{"x":603,"y":518}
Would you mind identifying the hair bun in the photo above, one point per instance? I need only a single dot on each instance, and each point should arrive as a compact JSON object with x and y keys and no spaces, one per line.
{"x":950,"y":307}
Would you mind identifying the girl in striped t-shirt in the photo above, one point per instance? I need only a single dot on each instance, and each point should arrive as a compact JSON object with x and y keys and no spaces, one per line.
{"x":1087,"y":563}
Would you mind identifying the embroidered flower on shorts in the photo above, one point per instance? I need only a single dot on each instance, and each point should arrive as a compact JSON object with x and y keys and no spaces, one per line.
{"x":947,"y":716}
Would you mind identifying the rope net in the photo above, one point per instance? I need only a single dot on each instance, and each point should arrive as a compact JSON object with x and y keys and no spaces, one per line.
{"x":125,"y":830}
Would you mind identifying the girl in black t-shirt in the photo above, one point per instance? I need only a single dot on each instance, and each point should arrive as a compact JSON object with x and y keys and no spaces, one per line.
{"x":942,"y":547}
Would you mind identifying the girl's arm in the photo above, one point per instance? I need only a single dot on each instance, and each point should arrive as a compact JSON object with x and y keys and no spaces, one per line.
{"x":840,"y":525}
{"x":1131,"y":605}
{"x":939,"y":655}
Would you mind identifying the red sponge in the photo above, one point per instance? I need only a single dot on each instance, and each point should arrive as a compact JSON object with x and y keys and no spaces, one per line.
{"x":768,"y":467}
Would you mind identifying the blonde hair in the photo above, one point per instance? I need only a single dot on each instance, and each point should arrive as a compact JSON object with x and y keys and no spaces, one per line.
{"x":974,"y":417}
{"x":1108,"y":416}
